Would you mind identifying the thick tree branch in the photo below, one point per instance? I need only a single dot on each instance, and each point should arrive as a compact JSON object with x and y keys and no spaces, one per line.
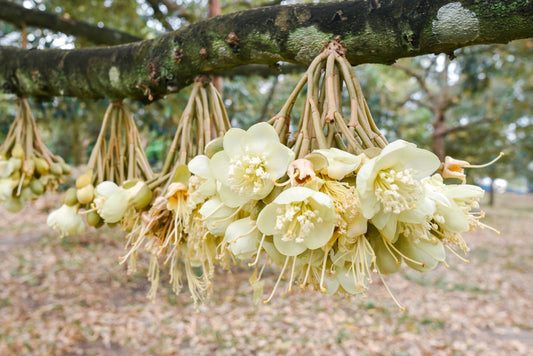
{"x":19,"y":15}
{"x":150,"y":69}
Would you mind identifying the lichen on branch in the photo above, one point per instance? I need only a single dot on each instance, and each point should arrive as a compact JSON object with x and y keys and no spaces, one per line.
{"x":377,"y":32}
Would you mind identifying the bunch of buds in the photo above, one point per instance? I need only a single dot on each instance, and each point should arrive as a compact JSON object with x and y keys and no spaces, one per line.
{"x":117,"y":182}
{"x":27,"y":167}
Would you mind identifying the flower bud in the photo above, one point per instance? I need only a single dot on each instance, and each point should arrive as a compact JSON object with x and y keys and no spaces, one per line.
{"x":13,"y":205}
{"x":114,"y":207}
{"x":65,"y":168}
{"x":27,"y":194}
{"x":41,"y":166}
{"x":85,"y":195}
{"x":214,"y":146}
{"x":70,"y":197}
{"x":36,"y":187}
{"x":17,"y":151}
{"x":93,"y":219}
{"x":143,"y":198}
{"x":85,"y":179}
{"x":55,"y":169}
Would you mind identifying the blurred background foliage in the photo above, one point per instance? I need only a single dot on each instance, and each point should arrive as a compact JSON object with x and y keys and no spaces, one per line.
{"x":471,"y":107}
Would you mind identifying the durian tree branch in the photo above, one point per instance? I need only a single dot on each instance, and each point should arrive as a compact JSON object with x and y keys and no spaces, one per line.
{"x":378,"y":32}
{"x":19,"y":16}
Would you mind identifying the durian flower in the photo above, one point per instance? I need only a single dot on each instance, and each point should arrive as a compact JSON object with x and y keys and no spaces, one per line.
{"x":389,"y":184}
{"x":217,"y":216}
{"x":422,"y":255}
{"x":66,"y":220}
{"x":249,"y":164}
{"x":463,"y":198}
{"x":353,"y":260}
{"x":242,"y":237}
{"x":340,"y":163}
{"x":112,"y":201}
{"x":202,"y":184}
{"x":298,"y":219}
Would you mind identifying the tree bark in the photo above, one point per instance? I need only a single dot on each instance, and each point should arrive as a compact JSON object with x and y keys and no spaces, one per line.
{"x":19,"y":16}
{"x":378,"y":32}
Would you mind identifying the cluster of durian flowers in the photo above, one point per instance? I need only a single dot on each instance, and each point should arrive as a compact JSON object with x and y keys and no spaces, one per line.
{"x":329,"y":220}
{"x":27,"y":167}
{"x":332,"y":204}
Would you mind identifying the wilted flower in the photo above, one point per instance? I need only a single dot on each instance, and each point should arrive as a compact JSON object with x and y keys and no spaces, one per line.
{"x":66,"y":220}
{"x":299,"y":219}
{"x":454,"y":168}
{"x":250,"y":164}
{"x":301,"y":171}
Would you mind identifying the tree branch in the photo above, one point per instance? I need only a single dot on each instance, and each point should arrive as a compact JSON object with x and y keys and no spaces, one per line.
{"x":467,"y":126}
{"x":151,"y":69}
{"x":419,"y":79}
{"x":19,"y":15}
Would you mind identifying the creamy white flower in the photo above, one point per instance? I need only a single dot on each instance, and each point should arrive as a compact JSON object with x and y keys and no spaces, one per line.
{"x":112,"y":201}
{"x":66,"y":220}
{"x":217,"y":216}
{"x":202,"y":184}
{"x":453,"y":203}
{"x":389,"y":184}
{"x":424,"y":255}
{"x":249,"y":164}
{"x":299,"y":219}
{"x":242,"y":237}
{"x":340,"y":163}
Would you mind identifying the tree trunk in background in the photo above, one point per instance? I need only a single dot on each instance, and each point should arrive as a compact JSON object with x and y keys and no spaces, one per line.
{"x":215,"y":9}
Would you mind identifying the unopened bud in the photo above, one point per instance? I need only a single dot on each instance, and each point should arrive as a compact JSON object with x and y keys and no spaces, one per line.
{"x":17,"y":151}
{"x":85,"y":195}
{"x":85,"y":179}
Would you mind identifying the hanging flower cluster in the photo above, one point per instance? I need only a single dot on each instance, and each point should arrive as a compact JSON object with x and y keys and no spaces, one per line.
{"x":173,"y":229}
{"x":331,"y":204}
{"x":27,"y":167}
{"x":117,"y":182}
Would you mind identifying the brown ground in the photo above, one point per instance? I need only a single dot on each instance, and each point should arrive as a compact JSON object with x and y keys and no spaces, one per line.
{"x":70,"y":297}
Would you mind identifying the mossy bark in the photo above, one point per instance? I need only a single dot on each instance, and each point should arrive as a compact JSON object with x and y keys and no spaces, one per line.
{"x":373,"y":31}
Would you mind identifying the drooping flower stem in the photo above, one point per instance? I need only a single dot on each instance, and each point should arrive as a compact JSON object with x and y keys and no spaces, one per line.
{"x":322,"y":123}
